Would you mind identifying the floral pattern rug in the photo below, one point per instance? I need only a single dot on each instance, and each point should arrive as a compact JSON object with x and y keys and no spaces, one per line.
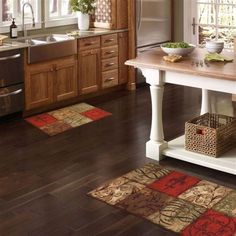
{"x":178,"y":202}
{"x":61,"y":120}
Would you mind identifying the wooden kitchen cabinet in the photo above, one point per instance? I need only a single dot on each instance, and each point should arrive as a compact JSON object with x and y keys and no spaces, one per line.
{"x":49,"y":82}
{"x":66,"y":79}
{"x":122,"y":14}
{"x":38,"y":85}
{"x":99,"y":65}
{"x":123,"y":57}
{"x":109,"y":63}
{"x":89,"y":71}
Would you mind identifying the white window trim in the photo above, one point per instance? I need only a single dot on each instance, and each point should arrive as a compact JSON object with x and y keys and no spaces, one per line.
{"x":188,"y":10}
{"x":60,"y":22}
{"x":5,"y":27}
{"x":53,"y":22}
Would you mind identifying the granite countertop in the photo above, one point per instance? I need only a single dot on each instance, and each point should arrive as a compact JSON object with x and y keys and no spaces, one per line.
{"x":11,"y":44}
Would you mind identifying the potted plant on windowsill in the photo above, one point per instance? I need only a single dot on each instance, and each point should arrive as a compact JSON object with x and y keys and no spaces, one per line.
{"x":84,"y":8}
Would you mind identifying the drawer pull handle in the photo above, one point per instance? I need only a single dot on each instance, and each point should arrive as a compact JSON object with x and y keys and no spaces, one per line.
{"x":109,"y":79}
{"x":89,"y":44}
{"x":10,"y":57}
{"x":10,"y":94}
{"x":109,"y":40}
{"x":110,"y":52}
{"x":110,"y":64}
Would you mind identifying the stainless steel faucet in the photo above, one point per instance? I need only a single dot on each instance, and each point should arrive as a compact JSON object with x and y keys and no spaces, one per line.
{"x":23,"y":17}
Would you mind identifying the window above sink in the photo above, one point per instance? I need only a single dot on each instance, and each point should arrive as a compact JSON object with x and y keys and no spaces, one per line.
{"x":56,"y":12}
{"x":13,"y":9}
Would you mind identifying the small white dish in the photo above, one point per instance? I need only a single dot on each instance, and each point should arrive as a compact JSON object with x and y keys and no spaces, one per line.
{"x":214,"y":46}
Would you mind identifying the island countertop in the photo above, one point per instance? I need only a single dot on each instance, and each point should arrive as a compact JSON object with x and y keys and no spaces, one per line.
{"x":188,"y":65}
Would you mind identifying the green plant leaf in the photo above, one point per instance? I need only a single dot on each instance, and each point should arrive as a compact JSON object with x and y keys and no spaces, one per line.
{"x":83,"y":6}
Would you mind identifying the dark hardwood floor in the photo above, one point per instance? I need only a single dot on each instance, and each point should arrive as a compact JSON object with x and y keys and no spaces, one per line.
{"x":44,"y":180}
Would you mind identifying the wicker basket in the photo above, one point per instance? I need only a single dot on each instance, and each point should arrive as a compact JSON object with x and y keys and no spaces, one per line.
{"x":210,"y":134}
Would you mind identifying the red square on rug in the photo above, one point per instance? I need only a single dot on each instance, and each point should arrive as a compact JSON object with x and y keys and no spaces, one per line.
{"x":95,"y":114}
{"x":211,"y":223}
{"x":41,"y":120}
{"x":174,"y":184}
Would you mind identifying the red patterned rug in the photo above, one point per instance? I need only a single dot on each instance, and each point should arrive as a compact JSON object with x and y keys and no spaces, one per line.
{"x":61,"y":120}
{"x":176,"y":201}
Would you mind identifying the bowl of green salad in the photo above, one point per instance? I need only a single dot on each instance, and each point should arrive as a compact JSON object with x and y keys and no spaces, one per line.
{"x":177,"y":48}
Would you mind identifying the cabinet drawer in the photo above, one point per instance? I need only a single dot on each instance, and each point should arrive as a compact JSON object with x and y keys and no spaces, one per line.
{"x":110,"y":64}
{"x":89,"y":43}
{"x":109,"y":78}
{"x":109,"y":52}
{"x":109,"y":40}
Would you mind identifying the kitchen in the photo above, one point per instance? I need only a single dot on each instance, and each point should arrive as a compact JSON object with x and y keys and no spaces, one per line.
{"x":45,"y":179}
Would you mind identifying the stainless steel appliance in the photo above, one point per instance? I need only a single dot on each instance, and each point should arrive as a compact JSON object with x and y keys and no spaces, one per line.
{"x":153,"y":25}
{"x":11,"y":82}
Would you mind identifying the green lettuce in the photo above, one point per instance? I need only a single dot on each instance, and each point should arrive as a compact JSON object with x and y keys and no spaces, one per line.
{"x":217,"y":57}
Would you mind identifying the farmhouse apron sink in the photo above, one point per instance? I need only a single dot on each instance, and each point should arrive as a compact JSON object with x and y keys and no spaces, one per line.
{"x":49,"y":47}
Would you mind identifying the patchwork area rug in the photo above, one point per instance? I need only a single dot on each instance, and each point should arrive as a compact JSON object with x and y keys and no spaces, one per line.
{"x":178,"y":202}
{"x":61,"y":120}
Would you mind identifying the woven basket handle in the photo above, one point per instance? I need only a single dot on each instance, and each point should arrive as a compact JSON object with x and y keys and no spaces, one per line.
{"x":200,"y":131}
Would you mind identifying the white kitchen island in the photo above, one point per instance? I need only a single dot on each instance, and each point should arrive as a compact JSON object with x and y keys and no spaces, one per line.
{"x":215,"y":76}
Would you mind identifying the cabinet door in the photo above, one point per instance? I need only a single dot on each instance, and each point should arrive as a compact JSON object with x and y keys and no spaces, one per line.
{"x":89,"y":71}
{"x":65,"y":83}
{"x":38,"y":85}
{"x":123,"y":57}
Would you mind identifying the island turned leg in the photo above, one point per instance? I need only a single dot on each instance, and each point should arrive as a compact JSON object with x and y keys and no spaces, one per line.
{"x":157,"y":144}
{"x":206,"y":105}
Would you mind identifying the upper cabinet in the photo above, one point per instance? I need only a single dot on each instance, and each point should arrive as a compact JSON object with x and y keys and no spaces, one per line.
{"x":111,"y":14}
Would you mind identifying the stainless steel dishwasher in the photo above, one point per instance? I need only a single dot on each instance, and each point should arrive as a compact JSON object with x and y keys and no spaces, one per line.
{"x":11,"y":82}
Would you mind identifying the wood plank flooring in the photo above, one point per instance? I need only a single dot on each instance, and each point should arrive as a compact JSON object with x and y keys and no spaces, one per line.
{"x":44,"y":180}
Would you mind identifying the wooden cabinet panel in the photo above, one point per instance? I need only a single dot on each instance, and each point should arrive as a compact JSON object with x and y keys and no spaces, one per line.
{"x":66,"y":79}
{"x":39,"y":86}
{"x":109,"y":40}
{"x":89,"y":43}
{"x":110,"y":64}
{"x":123,"y":57}
{"x":50,"y":82}
{"x":109,"y":78}
{"x":89,"y":71}
{"x":111,"y":14}
{"x":109,"y":52}
{"x":122,"y":14}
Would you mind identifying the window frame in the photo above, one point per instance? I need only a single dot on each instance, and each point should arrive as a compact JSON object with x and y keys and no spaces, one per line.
{"x":4,"y":27}
{"x":190,"y":7}
{"x":57,"y":21}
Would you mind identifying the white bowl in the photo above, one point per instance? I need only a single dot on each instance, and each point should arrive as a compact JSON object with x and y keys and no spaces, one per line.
{"x":178,"y":51}
{"x":214,"y":46}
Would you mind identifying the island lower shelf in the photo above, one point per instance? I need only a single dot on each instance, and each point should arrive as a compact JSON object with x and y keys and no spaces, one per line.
{"x":225,"y":163}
